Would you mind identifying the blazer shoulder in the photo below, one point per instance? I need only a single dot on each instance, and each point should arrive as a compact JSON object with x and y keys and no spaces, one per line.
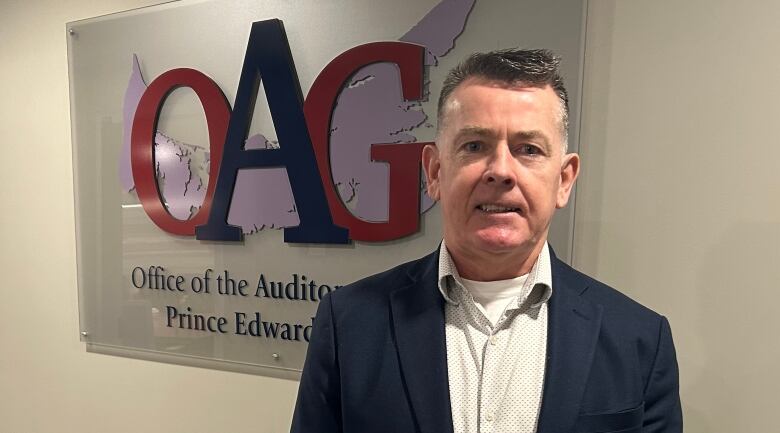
{"x":615,"y":303}
{"x":369,"y":290}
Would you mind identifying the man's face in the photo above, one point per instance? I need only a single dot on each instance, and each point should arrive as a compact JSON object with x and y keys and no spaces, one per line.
{"x":498,"y":168}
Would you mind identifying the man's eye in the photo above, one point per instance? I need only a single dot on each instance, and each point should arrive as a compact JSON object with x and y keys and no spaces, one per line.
{"x":472,"y":146}
{"x":530,"y":149}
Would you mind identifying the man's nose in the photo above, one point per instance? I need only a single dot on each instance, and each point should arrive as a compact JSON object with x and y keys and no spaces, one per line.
{"x":500,"y":168}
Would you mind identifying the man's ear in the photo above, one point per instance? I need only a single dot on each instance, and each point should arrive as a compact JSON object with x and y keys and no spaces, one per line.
{"x":431,"y":166}
{"x":569,"y":171}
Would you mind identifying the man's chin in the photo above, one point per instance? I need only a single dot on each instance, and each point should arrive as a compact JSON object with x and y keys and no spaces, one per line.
{"x":501,"y":243}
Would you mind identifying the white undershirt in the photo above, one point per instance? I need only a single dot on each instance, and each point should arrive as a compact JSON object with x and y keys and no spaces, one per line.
{"x":492,"y":297}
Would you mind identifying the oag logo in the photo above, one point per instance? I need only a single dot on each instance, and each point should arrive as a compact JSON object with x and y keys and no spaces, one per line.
{"x":310,"y":156}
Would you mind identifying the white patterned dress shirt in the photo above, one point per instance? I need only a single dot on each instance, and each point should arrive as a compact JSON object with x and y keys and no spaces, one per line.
{"x":496,"y":373}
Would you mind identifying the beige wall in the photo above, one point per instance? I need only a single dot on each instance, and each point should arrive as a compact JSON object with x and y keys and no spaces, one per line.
{"x":48,"y":383}
{"x":676,"y":207}
{"x":679,"y":204}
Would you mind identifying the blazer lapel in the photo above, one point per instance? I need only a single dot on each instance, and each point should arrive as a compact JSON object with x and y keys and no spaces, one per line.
{"x":573,"y":331}
{"x":418,"y":322}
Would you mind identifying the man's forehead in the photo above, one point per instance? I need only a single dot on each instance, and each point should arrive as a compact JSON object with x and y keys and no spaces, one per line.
{"x":518,"y":86}
{"x":459,"y":102}
{"x":458,"y":99}
{"x":455,"y":99}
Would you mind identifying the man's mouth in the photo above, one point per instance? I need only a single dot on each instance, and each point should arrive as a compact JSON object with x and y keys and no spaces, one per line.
{"x":494,"y":208}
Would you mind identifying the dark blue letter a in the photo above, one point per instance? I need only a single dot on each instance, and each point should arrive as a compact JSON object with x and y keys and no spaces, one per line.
{"x":268,"y":58}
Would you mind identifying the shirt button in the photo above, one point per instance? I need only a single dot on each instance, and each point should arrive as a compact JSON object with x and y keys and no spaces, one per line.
{"x":489,"y":417}
{"x":493,"y":340}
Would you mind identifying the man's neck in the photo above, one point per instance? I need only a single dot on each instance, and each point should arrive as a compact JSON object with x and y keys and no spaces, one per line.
{"x":495,"y":266}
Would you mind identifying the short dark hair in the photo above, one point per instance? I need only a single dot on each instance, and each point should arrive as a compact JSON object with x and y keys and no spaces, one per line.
{"x":514,"y":66}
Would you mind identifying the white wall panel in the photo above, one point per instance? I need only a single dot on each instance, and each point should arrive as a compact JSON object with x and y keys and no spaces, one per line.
{"x":678,"y":201}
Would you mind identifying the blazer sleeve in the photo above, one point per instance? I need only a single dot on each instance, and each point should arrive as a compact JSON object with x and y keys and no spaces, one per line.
{"x":318,"y":408}
{"x":663,"y":413}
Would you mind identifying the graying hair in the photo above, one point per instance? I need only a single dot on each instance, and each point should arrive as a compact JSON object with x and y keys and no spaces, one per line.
{"x":515,"y":67}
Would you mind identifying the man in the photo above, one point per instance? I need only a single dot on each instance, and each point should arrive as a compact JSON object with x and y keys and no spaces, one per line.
{"x":491,"y":333}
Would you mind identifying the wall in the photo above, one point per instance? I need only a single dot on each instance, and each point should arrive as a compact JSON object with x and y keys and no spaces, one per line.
{"x":49,"y":382}
{"x":676,"y":207}
{"x":678,"y":203}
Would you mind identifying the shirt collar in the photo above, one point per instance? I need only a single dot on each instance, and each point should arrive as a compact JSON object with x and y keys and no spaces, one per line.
{"x":540,"y":275}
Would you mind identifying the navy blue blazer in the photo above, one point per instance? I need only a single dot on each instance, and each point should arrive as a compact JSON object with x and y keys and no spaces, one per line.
{"x":377,"y":359}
